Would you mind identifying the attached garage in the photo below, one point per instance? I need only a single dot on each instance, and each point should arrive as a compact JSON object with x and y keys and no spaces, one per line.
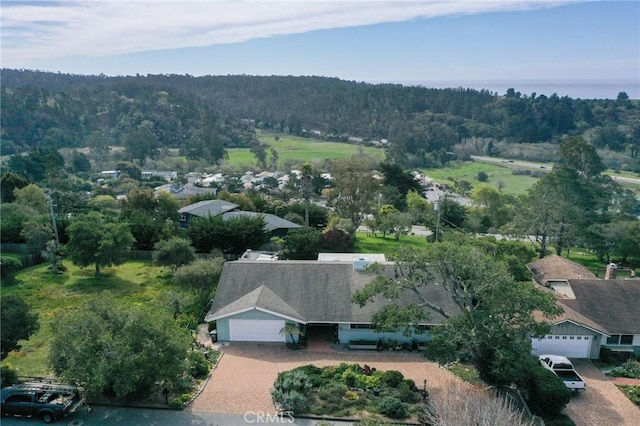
{"x":245,"y":330}
{"x":577,"y":346}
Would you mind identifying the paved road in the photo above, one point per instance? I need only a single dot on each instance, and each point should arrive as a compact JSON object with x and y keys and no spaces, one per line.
{"x":111,"y":416}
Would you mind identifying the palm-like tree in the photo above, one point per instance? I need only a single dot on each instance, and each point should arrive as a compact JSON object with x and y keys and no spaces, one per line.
{"x":292,"y":330}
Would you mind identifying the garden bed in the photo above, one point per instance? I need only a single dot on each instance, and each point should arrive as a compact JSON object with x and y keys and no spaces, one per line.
{"x":348,"y":391}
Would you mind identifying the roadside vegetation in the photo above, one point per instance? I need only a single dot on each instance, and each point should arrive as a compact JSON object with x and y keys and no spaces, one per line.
{"x":79,"y":316}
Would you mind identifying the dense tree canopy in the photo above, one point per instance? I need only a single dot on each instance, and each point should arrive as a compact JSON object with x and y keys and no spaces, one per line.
{"x":205,"y":116}
{"x":114,"y":349}
{"x":18,"y":322}
{"x":494,"y":322}
{"x":96,"y":240}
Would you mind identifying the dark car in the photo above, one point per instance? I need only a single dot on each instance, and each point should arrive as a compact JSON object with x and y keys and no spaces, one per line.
{"x":44,"y":400}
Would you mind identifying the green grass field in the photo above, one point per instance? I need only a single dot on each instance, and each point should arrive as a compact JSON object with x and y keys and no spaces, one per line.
{"x":300,"y":149}
{"x":136,"y":281}
{"x":513,"y":184}
{"x":387,"y":246}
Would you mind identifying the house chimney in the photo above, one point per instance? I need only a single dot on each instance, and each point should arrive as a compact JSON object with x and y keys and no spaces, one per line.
{"x":610,"y":273}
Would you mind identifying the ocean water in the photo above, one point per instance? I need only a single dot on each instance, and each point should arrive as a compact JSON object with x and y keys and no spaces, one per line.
{"x":573,"y":89}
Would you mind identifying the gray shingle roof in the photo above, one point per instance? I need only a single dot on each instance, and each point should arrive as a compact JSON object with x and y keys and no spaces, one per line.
{"x":208,"y":208}
{"x":317,"y":291}
{"x":272,"y":221}
{"x":615,"y":304}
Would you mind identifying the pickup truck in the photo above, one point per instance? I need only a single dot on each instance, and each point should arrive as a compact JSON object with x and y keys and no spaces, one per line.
{"x":44,"y":400}
{"x":563,"y":368}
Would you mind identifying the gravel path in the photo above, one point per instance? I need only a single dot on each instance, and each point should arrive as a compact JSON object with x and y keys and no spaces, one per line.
{"x":246,"y":372}
{"x":602,"y":404}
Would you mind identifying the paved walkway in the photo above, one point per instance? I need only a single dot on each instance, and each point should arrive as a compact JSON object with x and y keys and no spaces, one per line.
{"x":602,"y":404}
{"x":246,"y":372}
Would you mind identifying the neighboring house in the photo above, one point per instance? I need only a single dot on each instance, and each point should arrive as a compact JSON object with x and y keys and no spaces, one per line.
{"x":598,"y":313}
{"x":255,"y":299}
{"x":274,"y":225}
{"x":204,"y":209}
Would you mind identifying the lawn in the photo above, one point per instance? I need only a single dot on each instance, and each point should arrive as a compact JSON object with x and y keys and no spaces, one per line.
{"x":300,"y":149}
{"x":371,"y":244}
{"x":136,"y":281}
{"x":513,"y":184}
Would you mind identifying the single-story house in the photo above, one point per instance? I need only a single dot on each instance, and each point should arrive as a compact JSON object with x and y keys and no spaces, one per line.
{"x":203,"y":209}
{"x":274,"y":225}
{"x":255,"y":299}
{"x":598,"y":313}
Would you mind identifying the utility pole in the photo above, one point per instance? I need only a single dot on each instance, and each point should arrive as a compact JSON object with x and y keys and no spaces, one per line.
{"x":436,"y":207}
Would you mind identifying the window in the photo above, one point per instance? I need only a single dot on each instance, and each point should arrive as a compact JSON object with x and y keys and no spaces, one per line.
{"x":626,"y":339}
{"x":617,"y":339}
{"x":423,"y":327}
{"x":183,"y":218}
{"x":19,"y":398}
{"x":361,"y":326}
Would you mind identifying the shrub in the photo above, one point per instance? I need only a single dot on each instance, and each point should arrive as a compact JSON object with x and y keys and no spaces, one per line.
{"x":548,"y":395}
{"x":482,"y":176}
{"x":608,"y":356}
{"x":392,"y":378}
{"x":291,"y":389}
{"x":8,"y":266}
{"x":632,"y":392}
{"x":392,"y":407}
{"x":175,"y":403}
{"x":460,"y":404}
{"x":198,"y":365}
{"x":630,"y":369}
{"x":8,"y":375}
{"x":332,"y":392}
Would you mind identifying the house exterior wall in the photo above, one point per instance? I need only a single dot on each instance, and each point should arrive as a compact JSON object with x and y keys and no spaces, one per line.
{"x":346,"y":333}
{"x":222,"y":325}
{"x":635,"y":345}
{"x":571,"y":329}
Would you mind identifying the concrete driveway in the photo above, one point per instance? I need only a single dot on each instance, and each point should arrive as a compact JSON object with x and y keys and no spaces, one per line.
{"x":242,"y":381}
{"x":602,"y":404}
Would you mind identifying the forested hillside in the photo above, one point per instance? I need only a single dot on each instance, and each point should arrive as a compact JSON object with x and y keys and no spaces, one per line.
{"x":204,"y":115}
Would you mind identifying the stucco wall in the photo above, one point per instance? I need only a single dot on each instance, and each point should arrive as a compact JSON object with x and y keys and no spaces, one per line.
{"x":635,"y":346}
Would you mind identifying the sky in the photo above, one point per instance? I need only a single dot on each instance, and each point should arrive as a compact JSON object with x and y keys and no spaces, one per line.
{"x":576,"y":48}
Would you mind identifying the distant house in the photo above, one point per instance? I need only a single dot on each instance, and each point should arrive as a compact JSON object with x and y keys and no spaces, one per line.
{"x":184,"y":191}
{"x":255,"y":299}
{"x":204,"y":209}
{"x":275,"y":226}
{"x":598,"y":313}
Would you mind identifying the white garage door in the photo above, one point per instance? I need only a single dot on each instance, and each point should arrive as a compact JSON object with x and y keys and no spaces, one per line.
{"x":569,"y":346}
{"x":256,"y":330}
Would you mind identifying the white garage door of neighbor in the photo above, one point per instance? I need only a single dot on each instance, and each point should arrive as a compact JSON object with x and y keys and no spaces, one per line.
{"x":256,"y":330}
{"x":569,"y":346}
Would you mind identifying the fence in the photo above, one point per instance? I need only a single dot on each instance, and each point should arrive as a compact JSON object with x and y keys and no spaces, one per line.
{"x":27,"y":259}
